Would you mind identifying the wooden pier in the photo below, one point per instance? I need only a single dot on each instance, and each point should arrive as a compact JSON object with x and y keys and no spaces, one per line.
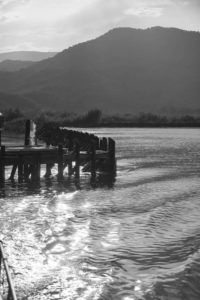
{"x":69,"y":150}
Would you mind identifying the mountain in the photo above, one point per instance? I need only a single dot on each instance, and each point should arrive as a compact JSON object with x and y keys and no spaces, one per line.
{"x":26,"y":55}
{"x":8,"y":100}
{"x":126,"y":70}
{"x":14,"y":65}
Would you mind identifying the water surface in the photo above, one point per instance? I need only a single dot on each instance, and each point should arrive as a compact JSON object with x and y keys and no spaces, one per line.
{"x":135,"y":237}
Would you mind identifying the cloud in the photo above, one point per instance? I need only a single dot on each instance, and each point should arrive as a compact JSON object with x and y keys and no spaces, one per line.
{"x":10,"y":4}
{"x":57,"y":24}
{"x":153,"y":11}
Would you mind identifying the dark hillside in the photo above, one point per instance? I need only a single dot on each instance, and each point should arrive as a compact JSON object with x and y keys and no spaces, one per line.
{"x":126,"y":70}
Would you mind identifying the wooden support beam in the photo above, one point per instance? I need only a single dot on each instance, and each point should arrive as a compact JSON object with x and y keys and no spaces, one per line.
{"x":37,"y":167}
{"x":2,"y":164}
{"x":14,"y":169}
{"x":60,"y":162}
{"x":26,"y":171}
{"x":77,"y":160}
{"x":20,"y":168}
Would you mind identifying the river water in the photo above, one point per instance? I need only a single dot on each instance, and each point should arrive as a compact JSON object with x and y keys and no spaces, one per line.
{"x":133,"y":237}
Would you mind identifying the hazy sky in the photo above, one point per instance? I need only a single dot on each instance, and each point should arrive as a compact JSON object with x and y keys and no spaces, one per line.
{"x":53,"y":25}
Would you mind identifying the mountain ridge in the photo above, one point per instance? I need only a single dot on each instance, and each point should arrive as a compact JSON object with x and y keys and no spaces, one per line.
{"x":126,"y":69}
{"x":26,"y":55}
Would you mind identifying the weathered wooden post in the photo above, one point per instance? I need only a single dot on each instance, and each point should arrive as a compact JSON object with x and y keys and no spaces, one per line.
{"x":30,"y":133}
{"x":104,"y":144}
{"x":26,"y":143}
{"x":27,"y":133}
{"x":97,"y":142}
{"x":77,"y":160}
{"x":101,"y":144}
{"x":1,"y":125}
{"x":2,"y":164}
{"x":93,"y":158}
{"x":112,"y":162}
{"x":32,"y":139}
{"x":60,"y":161}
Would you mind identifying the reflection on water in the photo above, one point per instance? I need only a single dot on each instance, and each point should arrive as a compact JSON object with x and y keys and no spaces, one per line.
{"x":136,"y":236}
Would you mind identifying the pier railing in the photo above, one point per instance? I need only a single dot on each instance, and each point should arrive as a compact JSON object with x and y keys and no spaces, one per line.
{"x":7,"y":291}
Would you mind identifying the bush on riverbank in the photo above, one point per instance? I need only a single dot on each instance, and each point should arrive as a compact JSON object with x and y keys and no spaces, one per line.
{"x":15,"y":120}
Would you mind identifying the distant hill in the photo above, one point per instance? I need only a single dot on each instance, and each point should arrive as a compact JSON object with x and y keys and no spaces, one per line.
{"x":14,"y":65}
{"x":8,"y":100}
{"x":126,"y":70}
{"x":26,"y":55}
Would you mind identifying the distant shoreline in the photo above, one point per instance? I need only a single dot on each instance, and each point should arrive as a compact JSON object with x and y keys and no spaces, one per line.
{"x":135,"y":126}
{"x":14,"y":120}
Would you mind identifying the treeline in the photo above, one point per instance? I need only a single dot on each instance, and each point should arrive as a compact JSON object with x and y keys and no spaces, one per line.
{"x":15,"y":119}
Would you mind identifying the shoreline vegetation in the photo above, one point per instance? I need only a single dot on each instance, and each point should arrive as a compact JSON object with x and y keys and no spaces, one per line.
{"x":15,"y":120}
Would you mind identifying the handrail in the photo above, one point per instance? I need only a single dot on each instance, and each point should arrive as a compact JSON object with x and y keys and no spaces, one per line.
{"x":11,"y":289}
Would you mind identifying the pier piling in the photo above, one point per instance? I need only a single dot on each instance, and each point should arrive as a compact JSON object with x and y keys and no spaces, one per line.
{"x":111,"y":147}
